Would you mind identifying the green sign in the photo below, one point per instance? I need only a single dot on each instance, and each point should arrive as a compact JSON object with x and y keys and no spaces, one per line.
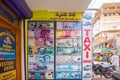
{"x":105,"y":50}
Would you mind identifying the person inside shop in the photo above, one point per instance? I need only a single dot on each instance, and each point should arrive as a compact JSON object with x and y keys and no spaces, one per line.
{"x":114,"y":60}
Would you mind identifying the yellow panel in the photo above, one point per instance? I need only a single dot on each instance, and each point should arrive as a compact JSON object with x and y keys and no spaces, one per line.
{"x":44,"y":15}
{"x":65,"y":16}
{"x":10,"y":75}
{"x":40,"y":15}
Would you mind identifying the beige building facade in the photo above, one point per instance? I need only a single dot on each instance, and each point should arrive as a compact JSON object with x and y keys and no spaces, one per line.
{"x":106,"y":29}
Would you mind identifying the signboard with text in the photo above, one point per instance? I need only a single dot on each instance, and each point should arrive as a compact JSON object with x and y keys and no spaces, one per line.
{"x":87,"y":46}
{"x":7,"y":55}
{"x":65,"y":16}
{"x":45,"y":15}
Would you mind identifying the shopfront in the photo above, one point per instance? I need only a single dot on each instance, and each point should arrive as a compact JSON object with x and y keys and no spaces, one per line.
{"x":58,"y":46}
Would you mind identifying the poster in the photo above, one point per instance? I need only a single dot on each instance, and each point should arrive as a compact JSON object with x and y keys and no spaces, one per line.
{"x":7,"y":55}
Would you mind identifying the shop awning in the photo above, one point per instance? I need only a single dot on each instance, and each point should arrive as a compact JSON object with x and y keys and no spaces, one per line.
{"x":20,"y":8}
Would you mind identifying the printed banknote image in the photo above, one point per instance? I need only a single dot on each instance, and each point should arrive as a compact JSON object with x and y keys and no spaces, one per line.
{"x":40,"y":25}
{"x":68,"y":50}
{"x":36,"y":50}
{"x":31,"y":33}
{"x":47,"y":34}
{"x":40,"y":75}
{"x":74,"y":42}
{"x":68,"y":67}
{"x":40,"y":67}
{"x":68,"y":34}
{"x":65,"y":59}
{"x":69,"y":25}
{"x":68,"y":75}
{"x":41,"y":58}
{"x":46,"y":50}
{"x":31,"y":41}
{"x":44,"y":42}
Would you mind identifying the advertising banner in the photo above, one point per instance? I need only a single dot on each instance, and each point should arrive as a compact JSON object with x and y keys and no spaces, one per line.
{"x":7,"y":55}
{"x":87,"y":46}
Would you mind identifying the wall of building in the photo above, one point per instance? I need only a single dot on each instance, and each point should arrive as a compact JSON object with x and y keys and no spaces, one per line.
{"x":106,"y":29}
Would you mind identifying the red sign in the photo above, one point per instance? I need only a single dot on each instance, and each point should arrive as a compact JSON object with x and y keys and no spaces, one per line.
{"x":87,"y":43}
{"x":87,"y":61}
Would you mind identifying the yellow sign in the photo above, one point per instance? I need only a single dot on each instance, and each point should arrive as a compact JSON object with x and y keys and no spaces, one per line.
{"x":56,"y":16}
{"x":11,"y":75}
{"x":65,"y":16}
{"x":40,"y":15}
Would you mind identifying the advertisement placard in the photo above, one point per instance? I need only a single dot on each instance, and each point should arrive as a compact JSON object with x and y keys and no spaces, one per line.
{"x":7,"y":55}
{"x":87,"y":46}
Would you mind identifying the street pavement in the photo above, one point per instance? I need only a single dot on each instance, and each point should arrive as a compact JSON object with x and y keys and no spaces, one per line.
{"x":98,"y":78}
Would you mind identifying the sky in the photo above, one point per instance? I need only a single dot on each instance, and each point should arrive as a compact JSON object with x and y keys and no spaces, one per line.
{"x":96,"y":4}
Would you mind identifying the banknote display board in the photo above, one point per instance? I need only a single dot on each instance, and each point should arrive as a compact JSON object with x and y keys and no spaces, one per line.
{"x":40,"y":50}
{"x":58,"y":50}
{"x":68,"y":50}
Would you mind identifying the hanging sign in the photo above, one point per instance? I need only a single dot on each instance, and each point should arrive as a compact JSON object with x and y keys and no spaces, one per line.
{"x":7,"y":55}
{"x":87,"y":46}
